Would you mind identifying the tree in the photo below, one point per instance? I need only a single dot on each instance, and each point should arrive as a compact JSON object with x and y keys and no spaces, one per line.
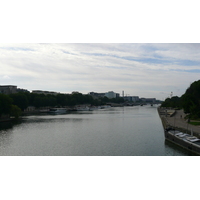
{"x":190,"y":101}
{"x":61,"y":99}
{"x":174,"y":102}
{"x":20,"y":100}
{"x":15,"y":111}
{"x":5,"y":104}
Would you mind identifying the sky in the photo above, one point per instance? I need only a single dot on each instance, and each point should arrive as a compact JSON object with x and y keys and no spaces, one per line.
{"x":151,"y":70}
{"x":138,"y":48}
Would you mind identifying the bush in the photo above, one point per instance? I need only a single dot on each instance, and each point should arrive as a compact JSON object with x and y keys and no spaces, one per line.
{"x":15,"y":111}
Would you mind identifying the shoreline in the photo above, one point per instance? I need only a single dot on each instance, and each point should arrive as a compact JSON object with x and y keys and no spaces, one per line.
{"x":177,"y":121}
{"x":177,"y":130}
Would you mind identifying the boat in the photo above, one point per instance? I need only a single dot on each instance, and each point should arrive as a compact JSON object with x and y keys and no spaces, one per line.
{"x":82,"y":108}
{"x":58,"y":110}
{"x":44,"y":111}
{"x":184,"y":140}
{"x":91,"y":108}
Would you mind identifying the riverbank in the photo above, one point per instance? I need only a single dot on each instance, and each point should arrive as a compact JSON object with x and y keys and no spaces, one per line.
{"x":177,"y":120}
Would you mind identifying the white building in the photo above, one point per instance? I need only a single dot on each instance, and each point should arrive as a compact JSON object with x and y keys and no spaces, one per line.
{"x":111,"y":94}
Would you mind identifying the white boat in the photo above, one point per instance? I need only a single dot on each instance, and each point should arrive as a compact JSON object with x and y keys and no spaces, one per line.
{"x":58,"y":110}
{"x":184,"y":140}
{"x":95,"y":108}
{"x":82,"y":108}
{"x":44,"y":111}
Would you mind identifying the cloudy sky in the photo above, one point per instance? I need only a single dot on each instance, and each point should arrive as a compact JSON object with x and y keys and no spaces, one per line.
{"x":138,"y":48}
{"x":140,"y":69}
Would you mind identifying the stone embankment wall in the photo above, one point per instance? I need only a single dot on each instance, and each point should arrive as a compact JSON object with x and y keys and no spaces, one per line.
{"x":176,"y":119}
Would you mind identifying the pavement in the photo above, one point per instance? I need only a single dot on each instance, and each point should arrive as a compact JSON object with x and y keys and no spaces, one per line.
{"x":177,"y":120}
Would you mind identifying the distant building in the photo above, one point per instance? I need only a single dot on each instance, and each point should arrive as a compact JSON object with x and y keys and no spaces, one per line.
{"x":22,"y":90}
{"x":44,"y":92}
{"x":8,"y":89}
{"x":128,"y":98}
{"x":143,"y":99}
{"x":131,"y":98}
{"x":96,"y":95}
{"x":148,"y":100}
{"x":111,"y":94}
{"x":117,"y":95}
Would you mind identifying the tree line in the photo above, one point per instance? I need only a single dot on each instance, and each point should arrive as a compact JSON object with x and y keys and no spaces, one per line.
{"x":189,"y":101}
{"x":15,"y":103}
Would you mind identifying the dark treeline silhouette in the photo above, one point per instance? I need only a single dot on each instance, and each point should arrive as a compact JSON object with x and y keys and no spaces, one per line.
{"x":7,"y":108}
{"x":13,"y":103}
{"x":190,"y":101}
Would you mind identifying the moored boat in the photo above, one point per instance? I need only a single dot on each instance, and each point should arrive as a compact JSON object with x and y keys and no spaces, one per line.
{"x":44,"y":111}
{"x":91,"y":108}
{"x":184,"y":140}
{"x":82,"y":108}
{"x":58,"y":110}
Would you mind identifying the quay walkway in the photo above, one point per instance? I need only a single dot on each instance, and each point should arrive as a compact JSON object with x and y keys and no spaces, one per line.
{"x":176,"y":118}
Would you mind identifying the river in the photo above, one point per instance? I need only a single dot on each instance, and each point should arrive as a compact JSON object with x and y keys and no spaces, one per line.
{"x":121,"y":131}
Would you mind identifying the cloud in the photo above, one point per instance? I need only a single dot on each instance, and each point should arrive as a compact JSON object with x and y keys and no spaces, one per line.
{"x":6,"y":77}
{"x":140,"y":69}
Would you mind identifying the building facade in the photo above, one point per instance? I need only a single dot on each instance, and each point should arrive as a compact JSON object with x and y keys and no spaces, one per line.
{"x":132,"y":98}
{"x":44,"y":92}
{"x":8,"y":89}
{"x":148,"y":100}
{"x":96,"y":95}
{"x":110,"y":94}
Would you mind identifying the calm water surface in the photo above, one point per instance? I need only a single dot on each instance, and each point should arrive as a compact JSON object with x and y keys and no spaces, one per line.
{"x":124,"y":131}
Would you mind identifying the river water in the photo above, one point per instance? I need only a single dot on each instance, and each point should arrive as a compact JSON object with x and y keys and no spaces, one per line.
{"x":122,"y":131}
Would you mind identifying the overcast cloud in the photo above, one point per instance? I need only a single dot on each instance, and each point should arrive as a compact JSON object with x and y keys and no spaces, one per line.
{"x":145,"y":70}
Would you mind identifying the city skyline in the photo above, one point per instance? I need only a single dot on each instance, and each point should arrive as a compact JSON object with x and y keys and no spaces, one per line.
{"x":149,"y":70}
{"x":12,"y":89}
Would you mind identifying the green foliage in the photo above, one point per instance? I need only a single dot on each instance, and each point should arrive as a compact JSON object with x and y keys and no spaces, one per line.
{"x":174,"y":102}
{"x":190,"y":101}
{"x":5,"y":104}
{"x":15,"y":103}
{"x":195,"y":123}
{"x":15,"y":111}
{"x":44,"y":101}
{"x":20,"y":99}
{"x":104,"y":100}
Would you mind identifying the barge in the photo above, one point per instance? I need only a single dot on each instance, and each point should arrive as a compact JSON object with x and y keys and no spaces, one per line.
{"x":184,"y":140}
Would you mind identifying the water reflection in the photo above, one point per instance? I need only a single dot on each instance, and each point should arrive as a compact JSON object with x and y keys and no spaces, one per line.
{"x":127,"y":131}
{"x":5,"y":126}
{"x":10,"y":124}
{"x":5,"y":135}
